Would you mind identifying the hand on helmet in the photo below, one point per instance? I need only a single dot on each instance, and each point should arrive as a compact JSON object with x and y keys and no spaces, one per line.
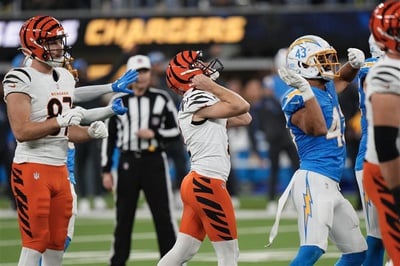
{"x":98,"y":130}
{"x":71,"y":117}
{"x":121,"y":84}
{"x":293,"y":79}
{"x":118,"y":107}
{"x":356,"y":57}
{"x":202,"y":82}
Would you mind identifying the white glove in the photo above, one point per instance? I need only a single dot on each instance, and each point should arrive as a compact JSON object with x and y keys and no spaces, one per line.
{"x":98,"y":130}
{"x":356,"y":57}
{"x":71,"y":117}
{"x":293,"y":79}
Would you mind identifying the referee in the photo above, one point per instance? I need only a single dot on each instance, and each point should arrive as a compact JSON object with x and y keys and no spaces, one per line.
{"x":140,"y":136}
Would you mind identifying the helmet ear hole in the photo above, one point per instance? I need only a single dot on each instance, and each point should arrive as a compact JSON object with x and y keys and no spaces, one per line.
{"x":303,"y":65}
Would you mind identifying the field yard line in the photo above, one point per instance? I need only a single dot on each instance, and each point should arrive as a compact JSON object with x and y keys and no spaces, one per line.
{"x":245,"y":256}
{"x":264,"y":255}
{"x":152,"y":235}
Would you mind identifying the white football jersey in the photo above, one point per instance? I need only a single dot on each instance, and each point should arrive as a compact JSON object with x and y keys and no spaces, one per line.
{"x":206,"y":141}
{"x":51,"y":94}
{"x":383,"y":77}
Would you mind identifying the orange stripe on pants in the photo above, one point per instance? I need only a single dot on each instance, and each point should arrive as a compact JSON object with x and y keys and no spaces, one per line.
{"x":207,"y":209}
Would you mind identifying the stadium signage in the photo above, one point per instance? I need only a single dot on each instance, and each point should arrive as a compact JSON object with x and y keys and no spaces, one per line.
{"x":9,"y":32}
{"x":174,"y":30}
{"x":125,"y":32}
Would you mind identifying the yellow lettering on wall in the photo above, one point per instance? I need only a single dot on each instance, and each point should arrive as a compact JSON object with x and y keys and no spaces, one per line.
{"x":193,"y":30}
{"x":235,"y":29}
{"x":133,"y":35}
{"x":155,"y":31}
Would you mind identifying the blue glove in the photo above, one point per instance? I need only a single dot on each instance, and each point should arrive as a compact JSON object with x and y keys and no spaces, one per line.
{"x":118,"y":107}
{"x":70,"y":165}
{"x":120,"y":85}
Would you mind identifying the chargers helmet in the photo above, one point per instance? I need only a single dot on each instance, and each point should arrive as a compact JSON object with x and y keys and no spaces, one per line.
{"x":35,"y":35}
{"x":374,"y":49}
{"x":384,"y":24}
{"x":312,"y":57}
{"x":185,"y":65}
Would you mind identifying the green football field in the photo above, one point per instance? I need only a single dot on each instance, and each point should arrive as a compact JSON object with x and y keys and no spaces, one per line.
{"x":93,"y":236}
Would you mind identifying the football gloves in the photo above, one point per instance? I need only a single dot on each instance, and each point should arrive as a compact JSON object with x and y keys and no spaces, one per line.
{"x":71,"y":117}
{"x":98,"y":130}
{"x":356,"y":57}
{"x":293,"y":79}
{"x":121,"y":84}
{"x":118,"y":107}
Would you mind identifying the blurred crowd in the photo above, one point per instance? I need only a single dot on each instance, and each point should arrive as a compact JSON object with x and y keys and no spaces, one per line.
{"x":104,"y":5}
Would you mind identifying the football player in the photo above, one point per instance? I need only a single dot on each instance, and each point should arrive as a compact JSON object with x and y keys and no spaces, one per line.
{"x":382,"y":184}
{"x":39,"y":101}
{"x":317,"y":124}
{"x":375,"y":252}
{"x":206,"y":110}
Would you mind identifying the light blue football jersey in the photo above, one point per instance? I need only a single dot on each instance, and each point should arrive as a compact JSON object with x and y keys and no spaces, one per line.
{"x":362,"y":148}
{"x":325,"y":155}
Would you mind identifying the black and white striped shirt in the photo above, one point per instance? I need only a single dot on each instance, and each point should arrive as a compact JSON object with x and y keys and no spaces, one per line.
{"x":154,"y":110}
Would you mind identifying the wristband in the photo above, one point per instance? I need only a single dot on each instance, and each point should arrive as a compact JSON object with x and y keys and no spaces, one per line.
{"x":307,"y":94}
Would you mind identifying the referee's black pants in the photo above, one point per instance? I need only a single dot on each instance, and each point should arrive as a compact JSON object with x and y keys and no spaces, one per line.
{"x":145,"y":171}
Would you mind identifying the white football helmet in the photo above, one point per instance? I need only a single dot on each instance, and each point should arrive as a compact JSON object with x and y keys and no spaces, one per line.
{"x":314,"y":58}
{"x":374,"y":48}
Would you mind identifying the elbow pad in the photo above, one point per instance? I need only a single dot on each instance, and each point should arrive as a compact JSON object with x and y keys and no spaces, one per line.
{"x":385,"y":143}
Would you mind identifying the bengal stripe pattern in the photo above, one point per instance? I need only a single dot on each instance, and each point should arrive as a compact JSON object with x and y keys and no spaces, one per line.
{"x":391,"y":215}
{"x":180,"y":70}
{"x":17,"y":75}
{"x":388,"y":74}
{"x":385,"y":24}
{"x":37,"y":29}
{"x":22,"y":201}
{"x":197,"y":100}
{"x":212,"y":209}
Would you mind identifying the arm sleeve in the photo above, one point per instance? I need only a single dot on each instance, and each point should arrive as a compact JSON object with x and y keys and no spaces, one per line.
{"x":87,"y":93}
{"x":95,"y":114}
{"x":109,"y":144}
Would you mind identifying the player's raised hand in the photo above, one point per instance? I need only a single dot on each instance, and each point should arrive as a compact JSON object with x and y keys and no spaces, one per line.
{"x":121,"y":84}
{"x":293,"y":79}
{"x":118,"y":107}
{"x":71,"y":117}
{"x":202,"y":82}
{"x":356,"y":57}
{"x":98,"y":130}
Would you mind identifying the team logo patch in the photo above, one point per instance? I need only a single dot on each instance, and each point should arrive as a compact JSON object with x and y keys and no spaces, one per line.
{"x":36,"y":175}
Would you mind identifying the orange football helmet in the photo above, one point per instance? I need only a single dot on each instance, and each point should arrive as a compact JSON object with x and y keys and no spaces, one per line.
{"x":36,"y":33}
{"x":185,"y":65}
{"x":384,"y":24}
